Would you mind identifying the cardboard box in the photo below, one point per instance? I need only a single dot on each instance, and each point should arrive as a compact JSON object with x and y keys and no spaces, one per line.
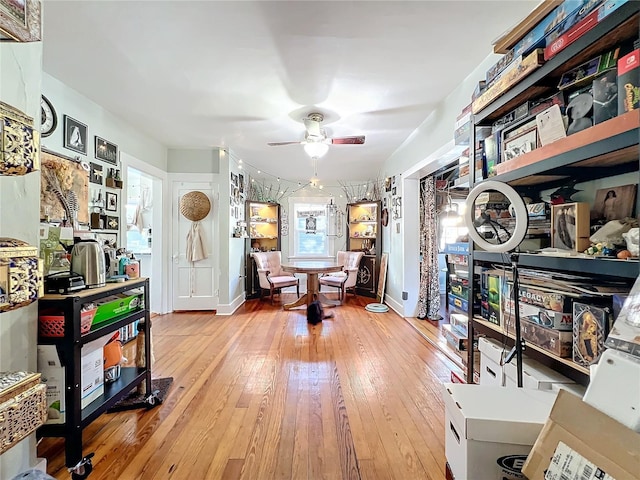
{"x":592,"y":435}
{"x":535,"y":375}
{"x":460,"y":323}
{"x":489,"y":430}
{"x":545,"y":298}
{"x":525,"y":67}
{"x":570,"y":226}
{"x":117,"y":305}
{"x":53,"y":374}
{"x":629,"y":82}
{"x":542,"y":317}
{"x":491,"y":355}
{"x":590,"y":329}
{"x":458,"y":303}
{"x":455,"y":339}
{"x":558,"y":342}
{"x":580,"y":28}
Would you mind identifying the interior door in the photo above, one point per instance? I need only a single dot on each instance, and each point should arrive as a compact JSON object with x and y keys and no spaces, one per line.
{"x":194,"y":283}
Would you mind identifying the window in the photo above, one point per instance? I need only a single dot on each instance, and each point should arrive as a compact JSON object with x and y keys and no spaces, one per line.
{"x":308,"y":219}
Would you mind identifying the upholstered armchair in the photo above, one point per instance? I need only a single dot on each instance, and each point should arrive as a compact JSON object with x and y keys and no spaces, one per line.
{"x":270,"y":274}
{"x":347,"y":278}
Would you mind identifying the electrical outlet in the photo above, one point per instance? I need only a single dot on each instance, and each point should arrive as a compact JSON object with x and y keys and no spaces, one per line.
{"x":405,"y":295}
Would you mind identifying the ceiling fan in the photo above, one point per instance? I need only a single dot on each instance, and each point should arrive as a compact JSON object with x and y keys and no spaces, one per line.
{"x":316,"y":135}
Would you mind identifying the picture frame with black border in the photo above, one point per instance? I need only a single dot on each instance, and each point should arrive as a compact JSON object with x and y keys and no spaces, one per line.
{"x":96,"y":173}
{"x":113,"y":223}
{"x":75,"y":135}
{"x":111,"y":203}
{"x":105,"y":150}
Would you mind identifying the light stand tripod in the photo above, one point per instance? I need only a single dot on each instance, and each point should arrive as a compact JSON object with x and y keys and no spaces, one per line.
{"x":510,"y":246}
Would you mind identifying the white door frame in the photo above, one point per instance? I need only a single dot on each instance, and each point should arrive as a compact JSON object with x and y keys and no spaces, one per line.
{"x":161,"y":231}
{"x":173,"y":179}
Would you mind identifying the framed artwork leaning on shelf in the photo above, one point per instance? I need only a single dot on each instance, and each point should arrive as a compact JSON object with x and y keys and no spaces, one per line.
{"x":614,"y":203}
{"x":570,"y":226}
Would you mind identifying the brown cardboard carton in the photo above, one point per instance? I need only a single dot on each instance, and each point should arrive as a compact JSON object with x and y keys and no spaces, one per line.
{"x":596,"y":437}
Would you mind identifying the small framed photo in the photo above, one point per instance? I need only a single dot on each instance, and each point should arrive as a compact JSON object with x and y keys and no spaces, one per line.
{"x":112,"y":202}
{"x":105,"y":238}
{"x":20,"y":20}
{"x":113,"y":223}
{"x":75,"y":135}
{"x":106,"y":151}
{"x":95,"y":173}
{"x":570,"y":226}
{"x":520,"y":144}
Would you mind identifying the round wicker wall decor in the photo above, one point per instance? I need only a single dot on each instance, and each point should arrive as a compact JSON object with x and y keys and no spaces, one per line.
{"x":195,"y":206}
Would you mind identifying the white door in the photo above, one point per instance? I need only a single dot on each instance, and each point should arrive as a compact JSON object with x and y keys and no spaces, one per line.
{"x":194,"y":285}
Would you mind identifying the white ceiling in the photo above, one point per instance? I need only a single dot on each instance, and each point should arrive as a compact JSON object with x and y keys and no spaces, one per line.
{"x":239,"y":74}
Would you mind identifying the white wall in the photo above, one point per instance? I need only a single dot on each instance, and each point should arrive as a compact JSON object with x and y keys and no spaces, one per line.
{"x":101,"y":122}
{"x":420,"y":155}
{"x":20,"y":80}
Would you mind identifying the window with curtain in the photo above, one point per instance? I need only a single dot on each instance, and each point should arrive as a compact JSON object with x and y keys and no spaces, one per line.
{"x":309,"y":227}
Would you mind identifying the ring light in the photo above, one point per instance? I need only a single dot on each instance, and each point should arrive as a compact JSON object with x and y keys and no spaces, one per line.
{"x":519,"y":232}
{"x":521,"y":216}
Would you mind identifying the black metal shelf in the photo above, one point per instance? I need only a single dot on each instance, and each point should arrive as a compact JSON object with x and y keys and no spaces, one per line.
{"x":563,"y":365}
{"x":594,"y":265}
{"x":570,"y":164}
{"x":130,"y":377}
{"x":69,"y":349}
{"x":100,"y":330}
{"x":621,"y":24}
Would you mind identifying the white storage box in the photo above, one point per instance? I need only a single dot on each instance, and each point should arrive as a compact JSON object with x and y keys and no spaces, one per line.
{"x":534,"y":375}
{"x":491,"y":353}
{"x":53,"y":374}
{"x":575,"y":388}
{"x":615,"y":388}
{"x":491,"y":429}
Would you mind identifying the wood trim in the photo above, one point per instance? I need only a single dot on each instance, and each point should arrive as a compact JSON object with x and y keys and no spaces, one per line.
{"x":504,"y":43}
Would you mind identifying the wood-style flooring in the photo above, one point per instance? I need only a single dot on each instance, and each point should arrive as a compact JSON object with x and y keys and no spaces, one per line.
{"x":262,"y":395}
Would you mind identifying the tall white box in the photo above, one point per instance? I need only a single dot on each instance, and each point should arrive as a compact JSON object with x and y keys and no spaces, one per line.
{"x":53,"y":374}
{"x":534,"y":375}
{"x":491,"y":429}
{"x":491,"y":353}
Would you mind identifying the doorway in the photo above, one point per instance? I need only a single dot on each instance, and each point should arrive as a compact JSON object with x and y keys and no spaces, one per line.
{"x":143,"y":236}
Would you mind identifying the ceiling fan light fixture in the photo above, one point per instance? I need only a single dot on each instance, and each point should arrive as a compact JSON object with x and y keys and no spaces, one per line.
{"x":316,"y":149}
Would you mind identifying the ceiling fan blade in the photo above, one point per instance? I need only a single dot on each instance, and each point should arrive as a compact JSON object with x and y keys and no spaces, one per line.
{"x":359,"y":140}
{"x":276,"y":144}
{"x":313,"y":127}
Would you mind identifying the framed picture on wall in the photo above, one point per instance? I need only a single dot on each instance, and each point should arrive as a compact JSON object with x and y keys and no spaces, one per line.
{"x":95,"y":173}
{"x":106,"y":151}
{"x":75,"y":135}
{"x":20,"y":20}
{"x":112,"y":202}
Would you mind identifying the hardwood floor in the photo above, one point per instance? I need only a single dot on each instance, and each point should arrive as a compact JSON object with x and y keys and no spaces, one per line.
{"x":263,"y":395}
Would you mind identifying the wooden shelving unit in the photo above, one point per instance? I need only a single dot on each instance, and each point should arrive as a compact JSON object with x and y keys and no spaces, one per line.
{"x":364,"y":224}
{"x":263,"y":228}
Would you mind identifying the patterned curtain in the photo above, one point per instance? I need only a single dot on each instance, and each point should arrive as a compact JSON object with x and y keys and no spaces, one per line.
{"x":429,"y":294}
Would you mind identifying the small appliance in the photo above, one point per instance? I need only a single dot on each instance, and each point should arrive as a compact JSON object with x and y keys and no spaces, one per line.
{"x":88,"y":260}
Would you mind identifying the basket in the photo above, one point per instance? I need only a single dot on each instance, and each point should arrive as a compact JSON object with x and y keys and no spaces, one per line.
{"x":195,"y":206}
{"x":51,"y":324}
{"x":21,"y":415}
{"x":14,"y":383}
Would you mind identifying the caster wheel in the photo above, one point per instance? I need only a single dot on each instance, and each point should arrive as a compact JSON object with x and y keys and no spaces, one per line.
{"x":83,"y":468}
